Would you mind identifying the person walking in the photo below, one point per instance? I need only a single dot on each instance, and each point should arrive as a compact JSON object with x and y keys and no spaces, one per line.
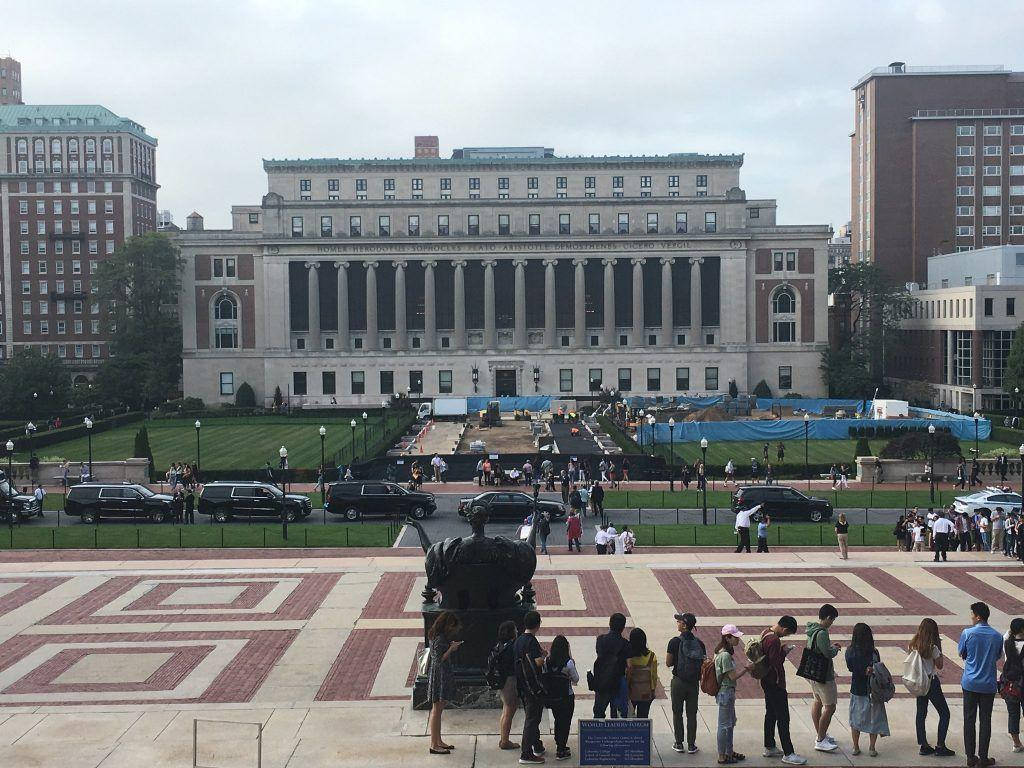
{"x":526,"y":651}
{"x":641,"y":673}
{"x":684,"y":656}
{"x":597,"y":500}
{"x":177,"y":506}
{"x":563,"y":478}
{"x":543,"y":531}
{"x":610,"y":668}
{"x":842,"y":534}
{"x":1013,"y":672}
{"x":983,"y":530}
{"x":505,"y":663}
{"x":980,"y":646}
{"x":560,"y":675}
{"x":743,"y":528}
{"x":825,"y":693}
{"x":573,"y":530}
{"x":961,"y":474}
{"x":727,"y":674}
{"x":762,"y":533}
{"x":441,"y":674}
{"x":39,"y":493}
{"x":866,"y":714}
{"x":927,"y":644}
{"x":942,"y":529}
{"x":730,"y":472}
{"x":780,"y":453}
{"x":776,"y":699}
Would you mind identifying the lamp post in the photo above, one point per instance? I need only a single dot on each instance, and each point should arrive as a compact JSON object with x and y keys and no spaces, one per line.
{"x":353,"y":425}
{"x":671,"y":454}
{"x":704,"y":460}
{"x":931,"y":464}
{"x":323,"y":458}
{"x":88,"y":431}
{"x":283,"y":453}
{"x":10,"y":482}
{"x":640,"y":429}
{"x":30,"y":430}
{"x":1021,"y":450}
{"x":198,"y":462}
{"x":1016,"y":404}
{"x":650,"y":423}
{"x":365,"y":417}
{"x":977,"y":448}
{"x":807,"y":428}
{"x":384,"y":414}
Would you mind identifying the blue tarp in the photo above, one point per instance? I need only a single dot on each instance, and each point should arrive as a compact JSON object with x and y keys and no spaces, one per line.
{"x":535,"y":404}
{"x":812,"y":405}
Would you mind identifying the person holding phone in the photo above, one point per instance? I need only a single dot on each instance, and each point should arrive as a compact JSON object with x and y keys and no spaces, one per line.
{"x":441,"y":674}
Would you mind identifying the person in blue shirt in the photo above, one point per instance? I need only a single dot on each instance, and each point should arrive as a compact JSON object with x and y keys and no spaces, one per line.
{"x":762,"y":533}
{"x":980,"y":647}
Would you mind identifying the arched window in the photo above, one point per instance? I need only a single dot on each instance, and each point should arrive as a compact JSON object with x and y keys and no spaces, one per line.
{"x":225,"y":321}
{"x":783,"y":314}
{"x":108,"y":146}
{"x":90,"y":146}
{"x":54,"y":146}
{"x":39,"y":146}
{"x":73,"y":146}
{"x":22,"y":147}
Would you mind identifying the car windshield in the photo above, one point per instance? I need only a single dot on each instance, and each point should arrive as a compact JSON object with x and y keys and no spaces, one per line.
{"x":273,"y":490}
{"x":144,"y":490}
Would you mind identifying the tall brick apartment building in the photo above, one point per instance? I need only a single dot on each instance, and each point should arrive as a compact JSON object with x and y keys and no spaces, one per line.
{"x":10,"y":81}
{"x":937,"y":164}
{"x":75,"y":181}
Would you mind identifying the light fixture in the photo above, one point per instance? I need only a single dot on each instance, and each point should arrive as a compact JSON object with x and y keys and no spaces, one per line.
{"x":703,"y":443}
{"x":807,"y":417}
{"x":671,"y":423}
{"x":352,"y":423}
{"x":88,"y":423}
{"x":931,"y":429}
{"x":10,"y":447}
{"x":283,"y":453}
{"x":323,"y":431}
{"x":198,"y":424}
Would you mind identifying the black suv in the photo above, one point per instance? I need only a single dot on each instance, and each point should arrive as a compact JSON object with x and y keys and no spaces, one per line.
{"x":510,"y":505}
{"x":781,"y":503}
{"x":354,"y":499}
{"x":94,"y":501}
{"x":225,"y":500}
{"x":16,"y":506}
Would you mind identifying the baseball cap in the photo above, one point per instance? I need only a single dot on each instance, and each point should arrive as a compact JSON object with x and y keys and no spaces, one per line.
{"x":731,"y":629}
{"x":687,"y":618}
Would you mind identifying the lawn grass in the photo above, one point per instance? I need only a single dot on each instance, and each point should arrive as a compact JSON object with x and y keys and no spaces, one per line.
{"x":107,"y":536}
{"x":789,"y":535}
{"x":849,"y":499}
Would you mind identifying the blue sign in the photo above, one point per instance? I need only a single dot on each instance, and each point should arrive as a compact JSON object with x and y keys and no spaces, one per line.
{"x":615,"y":742}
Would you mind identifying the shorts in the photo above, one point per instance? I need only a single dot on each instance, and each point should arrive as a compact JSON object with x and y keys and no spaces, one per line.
{"x":509,"y":694}
{"x":825,"y":692}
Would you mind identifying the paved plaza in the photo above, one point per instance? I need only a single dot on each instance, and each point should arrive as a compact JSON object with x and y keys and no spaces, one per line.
{"x":107,"y":658}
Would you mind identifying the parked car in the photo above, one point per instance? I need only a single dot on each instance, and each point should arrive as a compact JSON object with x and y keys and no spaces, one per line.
{"x":225,"y":500}
{"x":355,"y":499}
{"x":510,"y":505}
{"x":983,"y":502}
{"x":16,"y":506}
{"x":93,"y":502}
{"x":780,"y":502}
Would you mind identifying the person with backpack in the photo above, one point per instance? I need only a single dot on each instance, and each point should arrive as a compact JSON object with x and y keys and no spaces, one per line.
{"x":576,"y":501}
{"x":980,"y":646}
{"x":921,"y":679}
{"x":684,"y":656}
{"x":867,"y":712}
{"x":825,"y":692}
{"x":610,"y":668}
{"x":725,"y":676}
{"x":543,"y":531}
{"x":773,"y":684}
{"x":641,"y":673}
{"x":529,"y":658}
{"x":560,"y":675}
{"x":501,"y":675}
{"x":1011,"y":681}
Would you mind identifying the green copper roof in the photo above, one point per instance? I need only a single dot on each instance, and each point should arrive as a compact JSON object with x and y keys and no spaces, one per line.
{"x":64,"y":118}
{"x":674,"y":159}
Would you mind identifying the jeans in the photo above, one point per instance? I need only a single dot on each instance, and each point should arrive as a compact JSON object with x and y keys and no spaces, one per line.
{"x":776,"y":714}
{"x":616,"y":697}
{"x":642,"y":708}
{"x":1008,"y":544}
{"x":762,"y":544}
{"x":977,"y":706}
{"x":984,"y":541}
{"x":543,"y":544}
{"x":562,"y":712}
{"x":684,"y":695}
{"x":744,"y":540}
{"x":726,"y":719}
{"x":1013,"y":710}
{"x":531,"y":725}
{"x":938,"y":700}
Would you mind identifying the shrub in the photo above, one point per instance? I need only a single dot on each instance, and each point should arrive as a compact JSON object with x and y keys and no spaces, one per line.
{"x":863,"y":448}
{"x":278,"y":397}
{"x":762,"y":389}
{"x":918,"y":445}
{"x":245,"y":397}
{"x":142,"y":448}
{"x":734,"y":391}
{"x":184,"y":405}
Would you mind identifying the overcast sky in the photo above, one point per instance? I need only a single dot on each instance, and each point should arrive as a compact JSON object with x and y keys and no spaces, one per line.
{"x":223,"y":85}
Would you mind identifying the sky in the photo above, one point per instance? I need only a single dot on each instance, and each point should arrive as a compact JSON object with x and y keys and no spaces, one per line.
{"x":223,"y":85}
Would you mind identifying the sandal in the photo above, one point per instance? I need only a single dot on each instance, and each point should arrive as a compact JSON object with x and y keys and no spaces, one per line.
{"x":447,"y":746}
{"x":439,"y":751}
{"x":508,"y":745}
{"x":873,"y":752}
{"x":855,"y":751}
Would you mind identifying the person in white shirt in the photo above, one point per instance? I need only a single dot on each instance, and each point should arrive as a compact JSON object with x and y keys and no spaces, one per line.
{"x":601,"y":540}
{"x":998,"y":524}
{"x":919,"y":536}
{"x":730,"y":472}
{"x":625,"y":541}
{"x":39,"y":493}
{"x":613,"y":536}
{"x":743,"y":527}
{"x":941,"y":529}
{"x":435,"y":462}
{"x":929,"y":522}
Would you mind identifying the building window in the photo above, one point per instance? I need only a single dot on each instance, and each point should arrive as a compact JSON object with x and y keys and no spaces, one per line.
{"x":754,"y":213}
{"x":590,"y":182}
{"x":474,"y":182}
{"x":785,"y":377}
{"x":1011,"y":307}
{"x":298,"y":382}
{"x":625,"y":379}
{"x":229,"y":267}
{"x":531,"y":182}
{"x":444,"y":382}
{"x":702,"y":181}
{"x":326,"y":226}
{"x":595,"y":341}
{"x":682,"y":379}
{"x":414,"y":225}
{"x":305,"y":185}
{"x":225,"y":322}
{"x":417,"y":185}
{"x":355,"y":226}
{"x":565,"y":341}
{"x":472,"y":224}
{"x":565,"y":379}
{"x":993,"y":170}
{"x":387,"y":382}
{"x":358,"y":379}
{"x":673,"y":181}
{"x":561,"y":182}
{"x":784,"y":315}
{"x":652,"y":340}
{"x":710,"y":221}
{"x":645,"y":181}
{"x":993,"y":150}
{"x":384,"y":226}
{"x":654,"y":379}
{"x":327,"y":383}
{"x":623,"y":228}
{"x":681,"y":223}
{"x":965,"y":130}
{"x":296,"y":226}
{"x":227,"y":383}
{"x":993,"y":130}
{"x":387,"y":342}
{"x":995,"y":349}
{"x":988,"y":307}
{"x":333,"y":185}
{"x":446,"y":185}
{"x":711,"y":379}
{"x":254,"y":218}
{"x":416,"y":381}
{"x":534,"y":225}
{"x":563,"y":223}
{"x":503,"y":224}
{"x":965,"y":170}
{"x":617,"y":182}
{"x":965,"y":150}
{"x":503,"y":182}
{"x":652,"y":223}
{"x":623,"y":340}
{"x":595,"y":375}
{"x":442,"y":225}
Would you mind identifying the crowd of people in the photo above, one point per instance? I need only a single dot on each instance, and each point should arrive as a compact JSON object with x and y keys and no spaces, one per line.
{"x":946,"y":530}
{"x":625,"y":681}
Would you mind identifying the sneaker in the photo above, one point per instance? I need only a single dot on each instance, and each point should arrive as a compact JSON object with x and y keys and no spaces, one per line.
{"x":563,"y":754}
{"x":825,"y":746}
{"x":692,"y":749}
{"x":926,"y":750}
{"x":944,"y":751}
{"x":1015,"y":749}
{"x":831,"y":740}
{"x":530,"y":760}
{"x":678,"y":747}
{"x":794,"y":759}
{"x":538,"y":749}
{"x":772,"y":752}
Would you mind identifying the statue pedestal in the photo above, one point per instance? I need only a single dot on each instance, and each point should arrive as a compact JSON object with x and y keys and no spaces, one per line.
{"x":479,"y":634}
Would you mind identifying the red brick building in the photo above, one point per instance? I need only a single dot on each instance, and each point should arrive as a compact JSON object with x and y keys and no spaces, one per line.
{"x":10,"y":81}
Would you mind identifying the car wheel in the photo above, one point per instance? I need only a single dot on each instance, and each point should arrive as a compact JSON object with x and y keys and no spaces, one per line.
{"x":88,"y":517}
{"x":289,"y":516}
{"x":351,"y":514}
{"x":816,"y":515}
{"x":221,"y":515}
{"x":418,"y":513}
{"x":156,"y":517}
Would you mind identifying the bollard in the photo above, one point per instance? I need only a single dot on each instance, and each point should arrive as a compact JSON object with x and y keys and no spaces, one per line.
{"x":179,"y":538}
{"x":95,"y":536}
{"x":305,"y":536}
{"x":222,"y":538}
{"x":821,"y":535}
{"x":138,"y":538}
{"x":677,"y":515}
{"x":695,"y":535}
{"x":264,"y":537}
{"x":346,"y":536}
{"x":53,"y":538}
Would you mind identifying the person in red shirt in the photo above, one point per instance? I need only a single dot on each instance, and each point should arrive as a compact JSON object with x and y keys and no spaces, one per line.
{"x":776,"y":699}
{"x":574,"y":530}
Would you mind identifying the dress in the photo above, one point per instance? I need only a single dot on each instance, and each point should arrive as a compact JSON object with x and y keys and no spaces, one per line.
{"x":440,"y":673}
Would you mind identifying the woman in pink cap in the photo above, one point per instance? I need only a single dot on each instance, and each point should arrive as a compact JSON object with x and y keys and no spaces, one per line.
{"x":727,"y":674}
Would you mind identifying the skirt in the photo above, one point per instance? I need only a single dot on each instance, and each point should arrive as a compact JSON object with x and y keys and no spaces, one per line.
{"x":867,"y":716}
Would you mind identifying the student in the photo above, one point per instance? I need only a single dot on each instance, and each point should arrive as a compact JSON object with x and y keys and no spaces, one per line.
{"x":998,"y":520}
{"x":441,"y":674}
{"x":597,"y":500}
{"x":980,"y":647}
{"x":560,"y":676}
{"x":600,"y":538}
{"x":928,"y":645}
{"x":730,"y":472}
{"x":543,"y":531}
{"x":612,"y":535}
{"x":762,"y":533}
{"x":776,"y":699}
{"x":527,"y":648}
{"x":898,"y":532}
{"x":825,"y":694}
{"x":919,"y":535}
{"x":573,"y":530}
{"x":504,"y":647}
{"x":866,"y":715}
{"x":942,"y":529}
{"x":684,"y":656}
{"x":727,"y":675}
{"x":1013,"y":669}
{"x":610,"y":667}
{"x":842,"y":532}
{"x":983,"y":529}
{"x":641,"y":673}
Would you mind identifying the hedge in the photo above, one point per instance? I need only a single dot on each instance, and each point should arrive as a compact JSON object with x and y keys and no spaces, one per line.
{"x":77,"y":430}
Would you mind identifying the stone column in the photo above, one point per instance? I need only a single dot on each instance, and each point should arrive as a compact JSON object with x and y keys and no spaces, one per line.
{"x":372,"y":335}
{"x":313,"y":306}
{"x":490,"y":330}
{"x":429,"y":306}
{"x":549,"y":304}
{"x":580,"y":304}
{"x":950,"y":358}
{"x":667,"y":319}
{"x":638,"y":302}
{"x":609,"y":303}
{"x":401,"y":333}
{"x":343,"y":332}
{"x":695,"y":302}
{"x":460,"y":305}
{"x":519,"y":334}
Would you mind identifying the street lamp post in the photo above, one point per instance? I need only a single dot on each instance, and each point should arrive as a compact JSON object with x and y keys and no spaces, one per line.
{"x":650,"y":423}
{"x":30,"y":430}
{"x":807,"y":465}
{"x":353,"y":425}
{"x":704,"y":480}
{"x":88,"y":431}
{"x":1016,"y":403}
{"x":365,"y":417}
{"x":671,"y":454}
{"x":977,"y":449}
{"x":384,"y":414}
{"x":640,"y":429}
{"x":10,"y":482}
{"x":283,"y":453}
{"x":931,"y":464}
{"x":1021,"y":450}
{"x":323,"y":458}
{"x":198,"y":461}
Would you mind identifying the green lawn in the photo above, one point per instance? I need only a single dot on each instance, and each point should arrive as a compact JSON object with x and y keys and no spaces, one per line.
{"x":107,"y":536}
{"x":691,"y":499}
{"x":226,"y":443}
{"x":790,"y":535}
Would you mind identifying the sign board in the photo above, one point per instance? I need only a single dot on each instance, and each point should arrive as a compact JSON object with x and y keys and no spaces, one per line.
{"x":400,"y":461}
{"x":615,"y":742}
{"x":493,"y":457}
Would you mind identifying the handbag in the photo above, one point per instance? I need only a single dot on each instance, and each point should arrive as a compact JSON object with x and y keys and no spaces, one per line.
{"x":813,"y":665}
{"x":424,"y":664}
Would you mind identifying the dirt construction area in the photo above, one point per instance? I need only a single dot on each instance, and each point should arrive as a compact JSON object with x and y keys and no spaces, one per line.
{"x":511,"y":437}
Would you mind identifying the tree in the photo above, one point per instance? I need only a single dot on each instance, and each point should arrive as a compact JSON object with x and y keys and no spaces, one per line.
{"x":33,"y":385}
{"x":1013,"y":376}
{"x":245,"y":397}
{"x":846,"y":371}
{"x":140,"y":285}
{"x":142,"y":448}
{"x":734,"y":391}
{"x":278,"y":398}
{"x":761,"y":389}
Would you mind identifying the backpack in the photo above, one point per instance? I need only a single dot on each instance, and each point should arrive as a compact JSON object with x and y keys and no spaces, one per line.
{"x":641,"y":686}
{"x":532,"y":683}
{"x":881,"y":684}
{"x":709,"y":682}
{"x":916,"y":681}
{"x":756,"y":656}
{"x":686,"y":669}
{"x":497,"y":669}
